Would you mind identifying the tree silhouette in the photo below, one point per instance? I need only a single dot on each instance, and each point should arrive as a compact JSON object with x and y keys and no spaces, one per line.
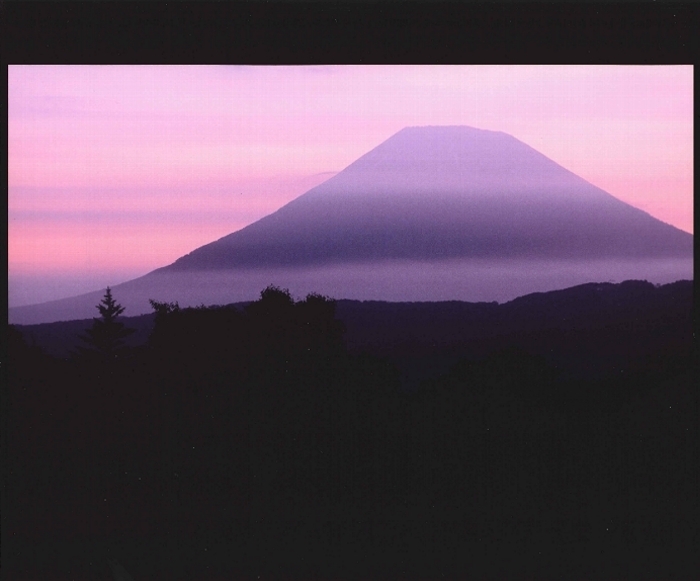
{"x":106,"y":336}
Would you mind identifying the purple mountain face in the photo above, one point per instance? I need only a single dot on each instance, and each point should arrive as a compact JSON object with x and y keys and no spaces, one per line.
{"x":440,"y":193}
{"x":433,"y":213}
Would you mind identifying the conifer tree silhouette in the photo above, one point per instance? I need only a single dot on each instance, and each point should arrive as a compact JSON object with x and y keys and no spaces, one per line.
{"x":106,"y":336}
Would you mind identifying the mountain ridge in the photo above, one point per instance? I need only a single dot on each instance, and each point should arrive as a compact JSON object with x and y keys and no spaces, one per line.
{"x":436,"y":322}
{"x":444,"y":192}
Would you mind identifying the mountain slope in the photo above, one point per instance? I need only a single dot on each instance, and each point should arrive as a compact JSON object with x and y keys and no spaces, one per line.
{"x":433,"y":213}
{"x":440,"y":193}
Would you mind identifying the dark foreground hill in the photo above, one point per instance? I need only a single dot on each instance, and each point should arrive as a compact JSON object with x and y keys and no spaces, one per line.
{"x":554,"y":436}
{"x":412,"y":334}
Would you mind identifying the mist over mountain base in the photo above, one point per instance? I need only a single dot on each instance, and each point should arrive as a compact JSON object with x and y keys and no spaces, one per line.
{"x":35,"y":288}
{"x":465,"y":280}
{"x":471,"y":280}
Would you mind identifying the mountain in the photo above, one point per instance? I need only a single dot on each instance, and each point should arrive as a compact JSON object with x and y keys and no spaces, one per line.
{"x":433,"y":213}
{"x":439,"y":193}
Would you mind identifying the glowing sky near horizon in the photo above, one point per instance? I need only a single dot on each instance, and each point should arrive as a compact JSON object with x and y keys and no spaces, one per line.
{"x":114,"y":171}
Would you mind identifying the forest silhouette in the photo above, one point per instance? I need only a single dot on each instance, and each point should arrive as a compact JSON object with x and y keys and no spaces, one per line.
{"x":263,"y":426}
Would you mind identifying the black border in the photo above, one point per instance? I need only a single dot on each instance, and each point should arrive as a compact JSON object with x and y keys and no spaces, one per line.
{"x":257,"y":32}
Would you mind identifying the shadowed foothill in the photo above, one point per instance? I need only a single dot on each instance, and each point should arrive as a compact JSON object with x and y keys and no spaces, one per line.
{"x":298,"y":438}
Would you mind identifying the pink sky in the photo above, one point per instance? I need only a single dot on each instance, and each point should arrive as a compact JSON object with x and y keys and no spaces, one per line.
{"x":117,"y":170}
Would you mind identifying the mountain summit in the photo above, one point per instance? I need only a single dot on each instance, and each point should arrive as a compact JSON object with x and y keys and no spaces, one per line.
{"x":439,"y":193}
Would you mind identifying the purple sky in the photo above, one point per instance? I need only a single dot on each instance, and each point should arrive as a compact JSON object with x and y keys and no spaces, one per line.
{"x":115,"y":171}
